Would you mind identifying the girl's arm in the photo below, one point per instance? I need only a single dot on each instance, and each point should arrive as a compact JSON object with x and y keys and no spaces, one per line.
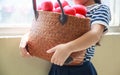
{"x":88,"y":39}
{"x":63,"y":51}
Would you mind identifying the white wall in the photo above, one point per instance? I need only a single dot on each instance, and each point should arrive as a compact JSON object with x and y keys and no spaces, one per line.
{"x":106,"y":58}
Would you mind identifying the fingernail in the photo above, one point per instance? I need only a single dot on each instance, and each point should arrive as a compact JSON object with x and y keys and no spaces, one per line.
{"x":28,"y":53}
{"x":48,"y":51}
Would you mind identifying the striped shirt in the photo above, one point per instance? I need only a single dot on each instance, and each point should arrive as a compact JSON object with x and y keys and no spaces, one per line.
{"x":99,"y":14}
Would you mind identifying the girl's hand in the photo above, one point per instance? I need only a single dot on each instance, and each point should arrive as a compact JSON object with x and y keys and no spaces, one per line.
{"x":61,"y":53}
{"x":23,"y":45}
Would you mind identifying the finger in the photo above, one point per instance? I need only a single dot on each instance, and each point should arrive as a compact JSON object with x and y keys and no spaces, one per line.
{"x":23,"y":49}
{"x":52,"y":59}
{"x":51,"y":50}
{"x":24,"y":53}
{"x":79,"y":59}
{"x":24,"y":40}
{"x":61,"y":63}
{"x":83,"y":56}
{"x":22,"y":44}
{"x":58,"y":62}
{"x":55,"y":61}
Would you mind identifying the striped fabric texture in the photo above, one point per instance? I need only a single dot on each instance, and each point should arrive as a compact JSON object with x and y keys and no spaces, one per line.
{"x":99,"y":14}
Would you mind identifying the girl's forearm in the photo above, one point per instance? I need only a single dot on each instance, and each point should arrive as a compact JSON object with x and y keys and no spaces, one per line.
{"x":85,"y":41}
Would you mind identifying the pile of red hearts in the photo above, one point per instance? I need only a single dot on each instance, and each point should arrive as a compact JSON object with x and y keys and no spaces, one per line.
{"x":75,"y":10}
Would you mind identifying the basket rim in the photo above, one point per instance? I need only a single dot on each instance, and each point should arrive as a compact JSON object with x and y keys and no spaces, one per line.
{"x":86,"y":18}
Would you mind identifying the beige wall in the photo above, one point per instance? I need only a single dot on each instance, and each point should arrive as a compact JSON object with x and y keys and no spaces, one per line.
{"x":106,"y":59}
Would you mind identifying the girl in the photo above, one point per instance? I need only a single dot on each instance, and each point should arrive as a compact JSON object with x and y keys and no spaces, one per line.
{"x":100,"y":17}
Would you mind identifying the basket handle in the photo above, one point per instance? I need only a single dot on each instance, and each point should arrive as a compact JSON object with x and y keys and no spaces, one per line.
{"x":35,"y":9}
{"x":62,"y":18}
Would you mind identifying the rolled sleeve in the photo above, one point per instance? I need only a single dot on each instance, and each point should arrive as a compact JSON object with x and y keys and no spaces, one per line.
{"x":102,"y":16}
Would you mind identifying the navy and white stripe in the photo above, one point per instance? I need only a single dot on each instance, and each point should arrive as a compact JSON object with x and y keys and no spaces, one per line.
{"x":99,"y":14}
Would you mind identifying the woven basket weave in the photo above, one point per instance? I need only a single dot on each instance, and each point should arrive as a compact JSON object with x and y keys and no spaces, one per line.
{"x":48,"y":32}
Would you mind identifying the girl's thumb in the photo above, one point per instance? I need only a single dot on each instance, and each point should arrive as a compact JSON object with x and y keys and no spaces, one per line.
{"x":51,"y":50}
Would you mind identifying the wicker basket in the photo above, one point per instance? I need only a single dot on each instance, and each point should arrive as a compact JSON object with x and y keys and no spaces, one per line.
{"x":47,"y":31}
